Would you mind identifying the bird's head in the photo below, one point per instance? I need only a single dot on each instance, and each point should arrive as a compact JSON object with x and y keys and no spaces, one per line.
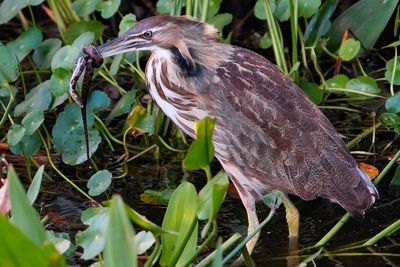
{"x":161,"y":33}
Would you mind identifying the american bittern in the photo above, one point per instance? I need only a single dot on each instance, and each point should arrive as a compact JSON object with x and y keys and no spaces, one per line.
{"x":268,"y":134}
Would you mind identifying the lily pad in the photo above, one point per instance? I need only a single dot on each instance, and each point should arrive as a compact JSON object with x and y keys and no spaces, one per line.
{"x":308,"y":8}
{"x":28,"y":146}
{"x":165,"y":6}
{"x":108,"y":8}
{"x":9,"y":70}
{"x":220,"y":20}
{"x":25,"y":43}
{"x":43,"y":55}
{"x":15,"y":134}
{"x":337,"y":81}
{"x":84,"y":7}
{"x":98,"y":101}
{"x":75,"y":29}
{"x":83,"y":39}
{"x":10,"y":8}
{"x":39,"y":98}
{"x":32,"y":121}
{"x":59,"y":81}
{"x":393,"y":103}
{"x":126,"y":23}
{"x":65,"y":58}
{"x":363,"y":84}
{"x":99,"y":182}
{"x":389,"y":71}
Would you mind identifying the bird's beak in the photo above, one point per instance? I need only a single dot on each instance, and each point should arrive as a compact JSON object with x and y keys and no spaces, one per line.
{"x":120,"y":45}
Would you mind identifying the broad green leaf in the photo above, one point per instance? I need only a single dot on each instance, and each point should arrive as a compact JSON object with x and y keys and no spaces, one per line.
{"x":363,"y":84}
{"x":28,"y":146}
{"x":220,"y":21}
{"x":393,"y":103}
{"x":38,"y":98}
{"x":308,"y":8}
{"x":18,"y":250}
{"x":156,"y":197}
{"x":165,"y":6}
{"x":282,"y":10}
{"x":389,"y":71}
{"x":337,"y":81}
{"x":24,"y":215}
{"x":25,"y":43}
{"x":313,"y":91}
{"x":92,"y":240}
{"x":10,"y":8}
{"x":99,"y":182}
{"x":143,"y":222}
{"x":34,"y":188}
{"x":9,"y":70}
{"x":83,"y":39}
{"x":180,"y":217}
{"x":211,"y":196}
{"x":62,"y":243}
{"x":43,"y":55}
{"x":201,"y":151}
{"x":320,"y":23}
{"x":65,"y":58}
{"x":32,"y":121}
{"x":15,"y":134}
{"x":213,"y":8}
{"x":141,"y":120}
{"x":59,"y":81}
{"x":120,"y":247}
{"x":349,"y":49}
{"x":391,"y":120}
{"x":144,"y":240}
{"x":98,"y":101}
{"x":123,"y":106}
{"x":366,"y":20}
{"x":84,"y":7}
{"x":75,"y":29}
{"x":259,"y":9}
{"x":126,"y":23}
{"x":265,"y":41}
{"x":108,"y":8}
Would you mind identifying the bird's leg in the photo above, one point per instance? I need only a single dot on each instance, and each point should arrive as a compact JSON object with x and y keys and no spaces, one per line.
{"x":292,"y":217}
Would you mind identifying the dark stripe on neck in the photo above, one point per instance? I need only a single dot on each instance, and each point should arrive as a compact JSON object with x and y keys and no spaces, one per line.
{"x":187,"y":67}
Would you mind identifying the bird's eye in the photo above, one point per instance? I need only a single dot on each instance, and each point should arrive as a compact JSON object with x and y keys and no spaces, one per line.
{"x":147,"y":35}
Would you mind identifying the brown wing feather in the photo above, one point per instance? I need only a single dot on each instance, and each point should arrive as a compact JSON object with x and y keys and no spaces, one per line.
{"x":275,"y":134}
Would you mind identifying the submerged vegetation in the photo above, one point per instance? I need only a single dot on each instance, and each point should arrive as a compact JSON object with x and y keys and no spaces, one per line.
{"x":344,"y":57}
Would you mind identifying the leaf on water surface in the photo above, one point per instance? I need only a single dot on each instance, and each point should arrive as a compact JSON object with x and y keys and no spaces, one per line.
{"x":201,"y":151}
{"x":38,"y":98}
{"x":43,"y":55}
{"x":99,"y":182}
{"x":25,"y":43}
{"x":15,"y":134}
{"x":364,"y":84}
{"x":92,"y":240}
{"x":9,"y":68}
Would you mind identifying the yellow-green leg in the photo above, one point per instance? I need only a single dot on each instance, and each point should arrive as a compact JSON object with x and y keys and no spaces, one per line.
{"x":292,"y":217}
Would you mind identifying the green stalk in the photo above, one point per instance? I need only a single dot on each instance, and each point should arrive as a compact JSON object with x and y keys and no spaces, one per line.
{"x":294,"y":14}
{"x":393,"y":72}
{"x":204,"y":11}
{"x":384,"y":233}
{"x":196,"y":8}
{"x":9,"y":105}
{"x":188,"y":8}
{"x":364,"y":134}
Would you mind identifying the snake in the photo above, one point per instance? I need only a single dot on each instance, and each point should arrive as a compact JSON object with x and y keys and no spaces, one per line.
{"x":90,"y":59}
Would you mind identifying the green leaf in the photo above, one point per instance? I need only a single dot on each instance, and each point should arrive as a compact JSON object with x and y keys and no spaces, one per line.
{"x":393,"y":103}
{"x":19,"y":251}
{"x":83,"y":39}
{"x":32,"y":121}
{"x":120,"y":247}
{"x":10,"y":8}
{"x":126,"y":23}
{"x":366,"y":20}
{"x":201,"y":151}
{"x":62,"y":243}
{"x":165,"y":6}
{"x":143,"y":222}
{"x":349,"y":49}
{"x":65,"y":58}
{"x":282,"y":10}
{"x":313,"y":91}
{"x":274,"y":199}
{"x":220,"y":20}
{"x":156,"y":197}
{"x":144,"y":240}
{"x":34,"y":188}
{"x":75,"y":29}
{"x":320,"y":23}
{"x":28,"y":146}
{"x":98,"y":101}
{"x":25,"y":43}
{"x":308,"y":8}
{"x":9,"y":70}
{"x":38,"y":98}
{"x":15,"y":134}
{"x":391,"y":120}
{"x":213,"y":8}
{"x":99,"y":182}
{"x":259,"y":10}
{"x":59,"y":81}
{"x":108,"y":8}
{"x":389,"y":71}
{"x":92,"y":240}
{"x":337,"y":81}
{"x":23,"y":214}
{"x":265,"y":41}
{"x":84,"y":7}
{"x":211,"y":197}
{"x":123,"y":106}
{"x":141,"y":120}
{"x":180,"y":217}
{"x":43,"y":55}
{"x":363,"y":84}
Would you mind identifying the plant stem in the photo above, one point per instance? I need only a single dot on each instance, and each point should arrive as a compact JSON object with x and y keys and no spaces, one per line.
{"x":204,"y":11}
{"x":362,"y":135}
{"x":294,"y":33}
{"x":384,"y":233}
